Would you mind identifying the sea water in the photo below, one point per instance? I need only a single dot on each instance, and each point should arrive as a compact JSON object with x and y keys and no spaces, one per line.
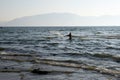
{"x":94,"y":46}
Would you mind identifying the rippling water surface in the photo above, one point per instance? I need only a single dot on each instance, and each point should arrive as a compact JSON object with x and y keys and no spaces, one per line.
{"x":97,"y":46}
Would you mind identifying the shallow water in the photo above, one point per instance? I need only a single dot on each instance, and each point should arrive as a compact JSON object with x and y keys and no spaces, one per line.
{"x":94,"y":46}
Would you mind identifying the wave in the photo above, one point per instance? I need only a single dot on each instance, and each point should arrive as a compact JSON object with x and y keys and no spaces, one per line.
{"x":8,"y":42}
{"x":2,"y":49}
{"x":60,"y":63}
{"x":49,"y":37}
{"x":108,"y":56}
{"x":113,"y":47}
{"x":102,"y":56}
{"x":82,"y":66}
{"x":110,"y":36}
{"x":57,"y":33}
{"x":90,"y":55}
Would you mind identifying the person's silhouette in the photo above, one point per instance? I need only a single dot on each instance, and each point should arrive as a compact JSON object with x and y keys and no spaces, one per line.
{"x":70,"y":36}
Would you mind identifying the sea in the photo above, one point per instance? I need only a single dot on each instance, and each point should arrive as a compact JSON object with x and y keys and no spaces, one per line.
{"x":97,"y":46}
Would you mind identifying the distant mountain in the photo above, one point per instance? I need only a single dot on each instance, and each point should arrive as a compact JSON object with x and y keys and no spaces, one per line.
{"x":1,"y":23}
{"x":63,"y":19}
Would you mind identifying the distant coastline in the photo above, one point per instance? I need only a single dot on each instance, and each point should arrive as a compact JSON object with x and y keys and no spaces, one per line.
{"x":63,"y":19}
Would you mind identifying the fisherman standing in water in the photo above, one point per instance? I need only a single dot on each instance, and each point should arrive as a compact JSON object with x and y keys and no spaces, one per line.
{"x":70,"y":36}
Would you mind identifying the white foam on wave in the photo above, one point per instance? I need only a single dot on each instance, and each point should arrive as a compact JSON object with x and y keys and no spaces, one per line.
{"x":3,"y":53}
{"x":56,"y":33}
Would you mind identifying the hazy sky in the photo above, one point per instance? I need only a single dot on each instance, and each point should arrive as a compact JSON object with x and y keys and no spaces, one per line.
{"x":10,"y":9}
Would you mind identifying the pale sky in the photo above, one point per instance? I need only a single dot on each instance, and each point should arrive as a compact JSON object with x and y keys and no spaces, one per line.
{"x":11,"y":9}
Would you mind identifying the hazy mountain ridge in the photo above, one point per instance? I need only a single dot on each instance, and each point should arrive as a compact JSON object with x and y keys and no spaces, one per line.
{"x":63,"y":19}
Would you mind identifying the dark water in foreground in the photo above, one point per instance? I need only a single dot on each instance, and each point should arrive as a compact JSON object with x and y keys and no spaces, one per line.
{"x":95,"y":46}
